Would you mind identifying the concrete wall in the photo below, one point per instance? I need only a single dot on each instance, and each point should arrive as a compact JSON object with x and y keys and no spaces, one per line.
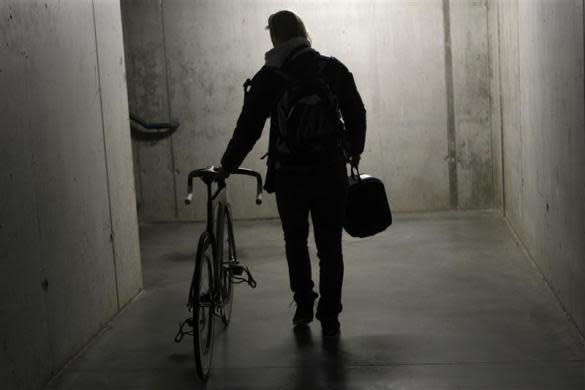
{"x":475,"y":170}
{"x":422,"y":68}
{"x":69,"y":254}
{"x":148,"y":98}
{"x":540,"y":50}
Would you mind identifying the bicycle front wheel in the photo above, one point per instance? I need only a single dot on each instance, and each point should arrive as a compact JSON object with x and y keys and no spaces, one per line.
{"x":202,"y":288}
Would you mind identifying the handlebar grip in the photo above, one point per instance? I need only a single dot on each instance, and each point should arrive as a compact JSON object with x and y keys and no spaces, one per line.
{"x":189,"y":198}
{"x":248,"y":172}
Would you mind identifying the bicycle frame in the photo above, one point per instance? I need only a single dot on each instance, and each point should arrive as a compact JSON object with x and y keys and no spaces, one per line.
{"x":216,"y":207}
{"x":222,"y":275}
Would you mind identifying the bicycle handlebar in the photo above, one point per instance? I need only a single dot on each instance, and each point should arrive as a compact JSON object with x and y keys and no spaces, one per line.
{"x":210,"y":174}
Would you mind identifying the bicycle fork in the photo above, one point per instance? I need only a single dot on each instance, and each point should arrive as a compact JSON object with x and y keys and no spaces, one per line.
{"x":235,"y":270}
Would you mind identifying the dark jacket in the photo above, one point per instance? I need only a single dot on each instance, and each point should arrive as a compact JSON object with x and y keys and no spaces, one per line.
{"x":266,"y":89}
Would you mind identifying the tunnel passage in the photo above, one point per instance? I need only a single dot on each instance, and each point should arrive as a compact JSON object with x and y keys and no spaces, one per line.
{"x":472,"y":105}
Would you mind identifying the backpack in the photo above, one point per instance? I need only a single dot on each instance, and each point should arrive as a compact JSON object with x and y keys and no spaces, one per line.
{"x":310,"y":127}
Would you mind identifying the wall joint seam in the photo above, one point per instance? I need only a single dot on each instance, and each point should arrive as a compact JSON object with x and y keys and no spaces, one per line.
{"x":502,"y":180}
{"x":169,"y":110}
{"x":451,"y":131}
{"x":549,"y":285}
{"x":112,"y":235}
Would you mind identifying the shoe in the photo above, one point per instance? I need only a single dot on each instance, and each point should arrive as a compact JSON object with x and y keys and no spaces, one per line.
{"x":330,"y":327}
{"x":303,"y":314}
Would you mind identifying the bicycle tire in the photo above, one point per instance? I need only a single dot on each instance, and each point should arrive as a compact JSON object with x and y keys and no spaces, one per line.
{"x":227,"y":286}
{"x":203,"y":308}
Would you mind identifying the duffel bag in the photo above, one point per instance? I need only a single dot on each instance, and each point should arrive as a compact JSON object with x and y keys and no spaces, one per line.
{"x":367,"y":210}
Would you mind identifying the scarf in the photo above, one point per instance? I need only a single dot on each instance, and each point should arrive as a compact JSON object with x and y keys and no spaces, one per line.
{"x":276,"y":57}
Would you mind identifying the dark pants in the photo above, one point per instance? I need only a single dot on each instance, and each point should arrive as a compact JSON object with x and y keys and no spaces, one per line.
{"x":321,"y":192}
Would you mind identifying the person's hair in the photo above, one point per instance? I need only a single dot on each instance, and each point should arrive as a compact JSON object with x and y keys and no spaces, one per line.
{"x":285,"y":25}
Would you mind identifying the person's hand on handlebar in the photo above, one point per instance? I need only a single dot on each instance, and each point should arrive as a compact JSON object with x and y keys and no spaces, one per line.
{"x":222,"y":172}
{"x":354,"y":160}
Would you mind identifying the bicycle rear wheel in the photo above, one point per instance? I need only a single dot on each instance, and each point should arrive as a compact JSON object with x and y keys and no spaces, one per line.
{"x":202,"y":292}
{"x":229,"y":258}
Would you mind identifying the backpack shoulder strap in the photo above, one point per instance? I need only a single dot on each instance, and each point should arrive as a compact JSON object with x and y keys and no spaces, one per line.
{"x":324,"y":64}
{"x":287,"y":77}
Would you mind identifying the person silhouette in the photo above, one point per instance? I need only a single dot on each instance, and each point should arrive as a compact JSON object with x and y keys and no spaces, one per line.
{"x":318,"y":122}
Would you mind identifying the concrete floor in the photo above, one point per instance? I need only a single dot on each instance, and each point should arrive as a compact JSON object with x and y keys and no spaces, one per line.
{"x":440,"y":301}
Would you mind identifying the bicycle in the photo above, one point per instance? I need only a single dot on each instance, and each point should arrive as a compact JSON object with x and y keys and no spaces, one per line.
{"x":211,"y":292}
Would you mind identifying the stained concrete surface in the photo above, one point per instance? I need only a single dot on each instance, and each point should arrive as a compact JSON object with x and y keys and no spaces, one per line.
{"x":543,"y":89}
{"x":69,"y":256}
{"x":440,"y":301}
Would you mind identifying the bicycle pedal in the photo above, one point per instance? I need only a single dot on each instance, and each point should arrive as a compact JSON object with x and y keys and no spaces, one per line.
{"x":251,"y":282}
{"x":181,"y":332}
{"x":236,"y":269}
